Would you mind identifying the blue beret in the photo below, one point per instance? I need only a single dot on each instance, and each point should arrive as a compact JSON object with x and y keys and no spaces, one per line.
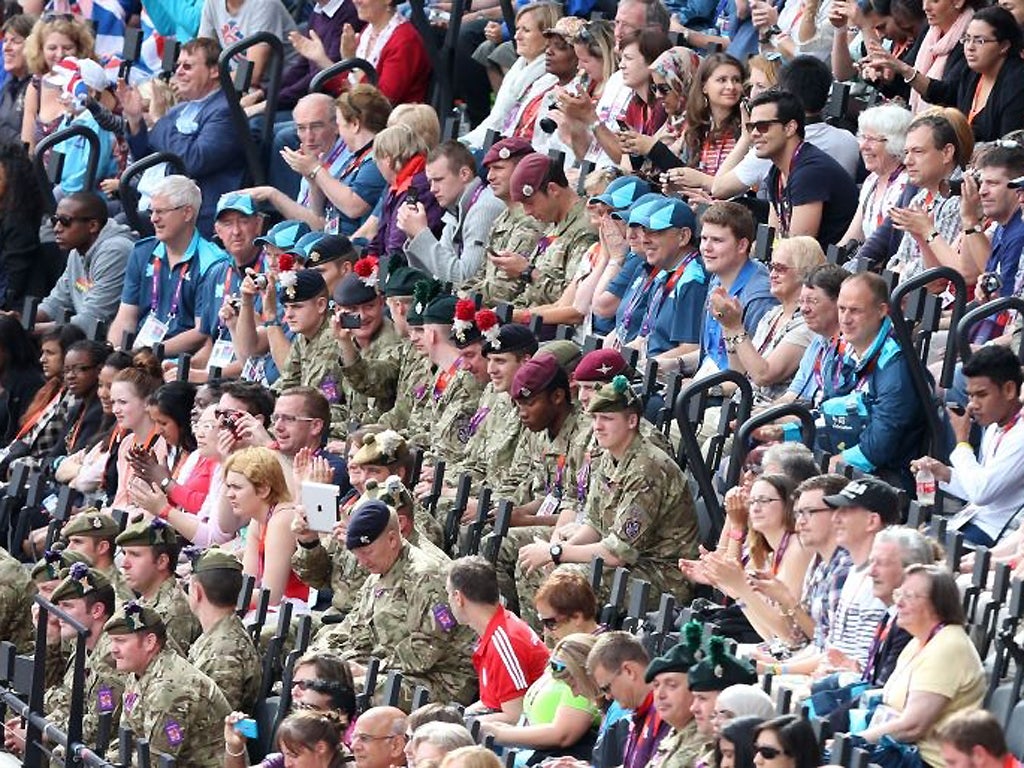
{"x":367,"y":524}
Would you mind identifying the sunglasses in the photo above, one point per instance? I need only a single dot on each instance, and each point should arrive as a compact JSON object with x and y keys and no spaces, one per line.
{"x":767,"y":752}
{"x":549,"y":622}
{"x":557,"y":666}
{"x":762,"y":126}
{"x":661,"y":89}
{"x":66,"y":221}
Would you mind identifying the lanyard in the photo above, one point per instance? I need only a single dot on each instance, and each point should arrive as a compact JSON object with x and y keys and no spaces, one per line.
{"x":879,"y":202}
{"x":259,"y":264}
{"x":837,"y":345}
{"x":637,"y":297}
{"x":783,"y":203}
{"x":1002,"y":433}
{"x":154,"y":297}
{"x":44,"y":410}
{"x":881,"y":634}
{"x":559,"y":474}
{"x":666,"y":290}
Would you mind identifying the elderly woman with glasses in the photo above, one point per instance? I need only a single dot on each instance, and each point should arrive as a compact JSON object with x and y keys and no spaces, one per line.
{"x":881,"y":134}
{"x":925,"y":689}
{"x":321,"y":683}
{"x":555,"y":719}
{"x":771,"y":357}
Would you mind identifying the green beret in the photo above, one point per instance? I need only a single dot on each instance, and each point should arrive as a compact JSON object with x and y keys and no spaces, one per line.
{"x":680,"y":657}
{"x":567,"y":353}
{"x":147,"y":534}
{"x":79,"y":580}
{"x":381,"y":449}
{"x":423,"y":292}
{"x":54,"y":561}
{"x":133,"y":617}
{"x":402,"y":281}
{"x":720,"y":669}
{"x":614,"y":397}
{"x":91,"y":522}
{"x":440,"y":311}
{"x":216,"y":559}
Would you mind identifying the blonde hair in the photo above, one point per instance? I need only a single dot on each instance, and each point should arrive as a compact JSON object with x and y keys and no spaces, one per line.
{"x":73,"y":29}
{"x":805,"y":252}
{"x":148,"y":88}
{"x":471,"y":757}
{"x":573,"y":650}
{"x":261,"y":468}
{"x":770,"y":68}
{"x":422,"y":119}
{"x":545,"y":14}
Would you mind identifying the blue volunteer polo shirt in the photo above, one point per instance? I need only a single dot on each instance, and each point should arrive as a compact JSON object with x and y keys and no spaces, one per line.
{"x":177,"y":295}
{"x":676,"y":307}
{"x":753,"y":288}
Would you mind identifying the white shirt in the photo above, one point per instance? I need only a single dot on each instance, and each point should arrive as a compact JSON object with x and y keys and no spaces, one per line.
{"x":520,"y":76}
{"x":840,"y":145}
{"x":819,"y":46}
{"x":992,"y":485}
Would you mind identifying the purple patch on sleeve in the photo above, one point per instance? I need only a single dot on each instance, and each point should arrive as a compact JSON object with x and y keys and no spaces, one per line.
{"x":129,"y":701}
{"x":174,"y":733}
{"x":443,"y":615}
{"x":105,"y":699}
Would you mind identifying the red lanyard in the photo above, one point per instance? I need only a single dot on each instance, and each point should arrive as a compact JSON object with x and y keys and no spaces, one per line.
{"x":1002,"y":434}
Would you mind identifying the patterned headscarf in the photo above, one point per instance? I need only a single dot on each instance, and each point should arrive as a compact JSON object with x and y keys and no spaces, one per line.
{"x":678,"y":66}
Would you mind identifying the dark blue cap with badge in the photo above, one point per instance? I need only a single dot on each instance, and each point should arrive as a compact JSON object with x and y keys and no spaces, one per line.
{"x":353,"y":291}
{"x":367,"y":524}
{"x":622,"y":192}
{"x":308,"y":284}
{"x":332,"y":248}
{"x":285,"y":234}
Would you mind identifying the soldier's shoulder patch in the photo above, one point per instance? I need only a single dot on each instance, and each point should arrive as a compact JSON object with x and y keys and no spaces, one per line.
{"x":329,"y":389}
{"x":632,"y":524}
{"x":174,"y":732}
{"x":443,"y":616}
{"x":105,"y":699}
{"x":130,"y":699}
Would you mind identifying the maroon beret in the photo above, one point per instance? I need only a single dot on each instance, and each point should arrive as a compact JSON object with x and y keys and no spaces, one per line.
{"x":503,"y":149}
{"x":533,"y":376}
{"x":601,"y":365}
{"x":529,"y":176}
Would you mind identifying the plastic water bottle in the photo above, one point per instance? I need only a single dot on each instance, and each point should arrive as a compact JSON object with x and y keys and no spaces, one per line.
{"x":925,"y":487}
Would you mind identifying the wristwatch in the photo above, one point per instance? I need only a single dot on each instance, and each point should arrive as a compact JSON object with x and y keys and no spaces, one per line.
{"x":977,"y":229}
{"x":165,"y":484}
{"x":556,"y":554}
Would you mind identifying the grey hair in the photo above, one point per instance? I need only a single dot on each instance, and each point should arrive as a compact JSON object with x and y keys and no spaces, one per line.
{"x":794,"y":460}
{"x":319,"y":101}
{"x":446,"y":736}
{"x":914,"y":548}
{"x":179,"y":190}
{"x":890,"y":120}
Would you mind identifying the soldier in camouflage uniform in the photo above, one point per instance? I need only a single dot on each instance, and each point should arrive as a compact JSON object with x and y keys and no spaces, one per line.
{"x":92,"y":533}
{"x":150,"y":556}
{"x":683,"y":745}
{"x":87,"y":595}
{"x":313,"y":360}
{"x":225,"y":651}
{"x":370,"y":355}
{"x":402,"y":616}
{"x":639,"y":513}
{"x":539,"y":184}
{"x":46,"y":576}
{"x":547,"y":480}
{"x":166,"y":700}
{"x":514,"y":231}
{"x":16,"y":593}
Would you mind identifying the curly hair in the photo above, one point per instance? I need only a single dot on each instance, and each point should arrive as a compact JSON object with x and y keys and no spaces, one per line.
{"x":700,"y":125}
{"x":77,"y":32}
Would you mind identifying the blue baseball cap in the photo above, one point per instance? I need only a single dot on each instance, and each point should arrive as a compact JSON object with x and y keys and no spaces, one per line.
{"x":305,"y":244}
{"x":284,"y":235}
{"x":638,"y":214}
{"x":625,"y":213}
{"x":622,"y":192}
{"x":236,"y":201}
{"x":671,"y":214}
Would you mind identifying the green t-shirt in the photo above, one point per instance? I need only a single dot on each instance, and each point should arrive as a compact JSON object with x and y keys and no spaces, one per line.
{"x":546,"y":695}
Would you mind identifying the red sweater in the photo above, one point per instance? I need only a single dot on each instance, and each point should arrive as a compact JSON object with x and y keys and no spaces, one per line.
{"x":403,"y":71}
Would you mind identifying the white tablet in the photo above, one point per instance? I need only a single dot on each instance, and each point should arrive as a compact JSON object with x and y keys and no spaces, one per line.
{"x":320,"y":501}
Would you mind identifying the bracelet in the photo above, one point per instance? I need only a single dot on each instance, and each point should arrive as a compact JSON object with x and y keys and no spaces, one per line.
{"x":912,"y":78}
{"x":966,"y":445}
{"x":932,"y":236}
{"x":233,"y":754}
{"x":165,"y":512}
{"x":274,"y":323}
{"x":732,"y":342}
{"x":737,"y":534}
{"x":312,"y":174}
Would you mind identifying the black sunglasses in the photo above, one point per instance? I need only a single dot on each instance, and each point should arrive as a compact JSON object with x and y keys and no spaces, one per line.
{"x":767,"y":752}
{"x":661,"y":89}
{"x":66,"y":221}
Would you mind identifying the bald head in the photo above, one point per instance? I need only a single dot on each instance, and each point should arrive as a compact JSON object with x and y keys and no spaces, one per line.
{"x":379,"y":738}
{"x":315,"y":123}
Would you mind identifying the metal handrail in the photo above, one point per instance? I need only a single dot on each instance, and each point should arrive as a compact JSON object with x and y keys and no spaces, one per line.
{"x":768,"y":416}
{"x":979,"y":313}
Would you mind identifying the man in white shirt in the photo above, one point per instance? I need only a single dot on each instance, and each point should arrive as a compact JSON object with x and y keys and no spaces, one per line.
{"x":990,"y":481}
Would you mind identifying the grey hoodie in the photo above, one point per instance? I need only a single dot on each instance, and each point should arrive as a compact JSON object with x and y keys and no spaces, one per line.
{"x":91,"y":285}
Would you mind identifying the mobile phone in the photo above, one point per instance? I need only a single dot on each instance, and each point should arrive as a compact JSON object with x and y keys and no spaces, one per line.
{"x":247,"y":728}
{"x":412,"y":197}
{"x":956,"y":408}
{"x":623,"y":125}
{"x":349,"y":320}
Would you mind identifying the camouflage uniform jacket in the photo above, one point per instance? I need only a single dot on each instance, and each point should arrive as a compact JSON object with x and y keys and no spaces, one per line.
{"x":454,"y":398}
{"x":370,"y":386}
{"x":314,"y":363}
{"x":402,"y":617}
{"x":514,"y":230}
{"x":494,"y":432}
{"x":558,"y":466}
{"x":122,"y":592}
{"x":412,"y":412}
{"x":225,"y":653}
{"x":16,"y":592}
{"x":642,"y":508}
{"x":172,"y":605}
{"x":413,"y":370}
{"x":680,"y":748}
{"x":179,"y":709}
{"x":101,"y":693}
{"x":557,"y":257}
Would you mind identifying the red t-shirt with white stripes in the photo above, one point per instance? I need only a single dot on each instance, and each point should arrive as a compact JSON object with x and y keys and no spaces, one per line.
{"x":508,"y":658}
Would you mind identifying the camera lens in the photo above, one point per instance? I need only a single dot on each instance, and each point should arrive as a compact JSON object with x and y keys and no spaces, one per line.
{"x":547,"y":125}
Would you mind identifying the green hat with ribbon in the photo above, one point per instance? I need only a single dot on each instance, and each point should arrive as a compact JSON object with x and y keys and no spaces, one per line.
{"x":54,"y":561}
{"x":133,"y":617}
{"x":93,"y":523}
{"x":682,"y":656}
{"x":615,"y":397}
{"x":150,"y":533}
{"x":720,"y":669}
{"x":79,"y":580}
{"x":423,"y":292}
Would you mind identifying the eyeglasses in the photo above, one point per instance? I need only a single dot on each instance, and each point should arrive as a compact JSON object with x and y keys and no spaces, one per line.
{"x":366,"y":738}
{"x":866,"y":137}
{"x":287,"y":418}
{"x":811,"y":511}
{"x":661,"y":89}
{"x":306,"y":685}
{"x":608,"y":686}
{"x":903,"y":594}
{"x":204,"y":426}
{"x":722,"y":714}
{"x":66,"y":221}
{"x":762,"y":501}
{"x":223,"y":413}
{"x":782,"y":269}
{"x":970,"y":41}
{"x":557,"y":666}
{"x":165,"y":211}
{"x":549,"y":622}
{"x":74,"y":370}
{"x":762,"y":126}
{"x":767,"y":752}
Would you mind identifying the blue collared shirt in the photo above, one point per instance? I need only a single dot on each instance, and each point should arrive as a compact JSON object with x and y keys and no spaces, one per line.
{"x":752,"y":288}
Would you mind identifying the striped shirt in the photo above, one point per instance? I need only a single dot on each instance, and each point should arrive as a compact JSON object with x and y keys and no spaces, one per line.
{"x":853,"y":625}
{"x":508,"y":658}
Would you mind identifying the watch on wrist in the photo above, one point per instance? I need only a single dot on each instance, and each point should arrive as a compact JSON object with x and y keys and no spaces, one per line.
{"x":527,"y":275}
{"x":556,"y":553}
{"x":165,"y":484}
{"x":932,"y":236}
{"x":977,"y":229}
